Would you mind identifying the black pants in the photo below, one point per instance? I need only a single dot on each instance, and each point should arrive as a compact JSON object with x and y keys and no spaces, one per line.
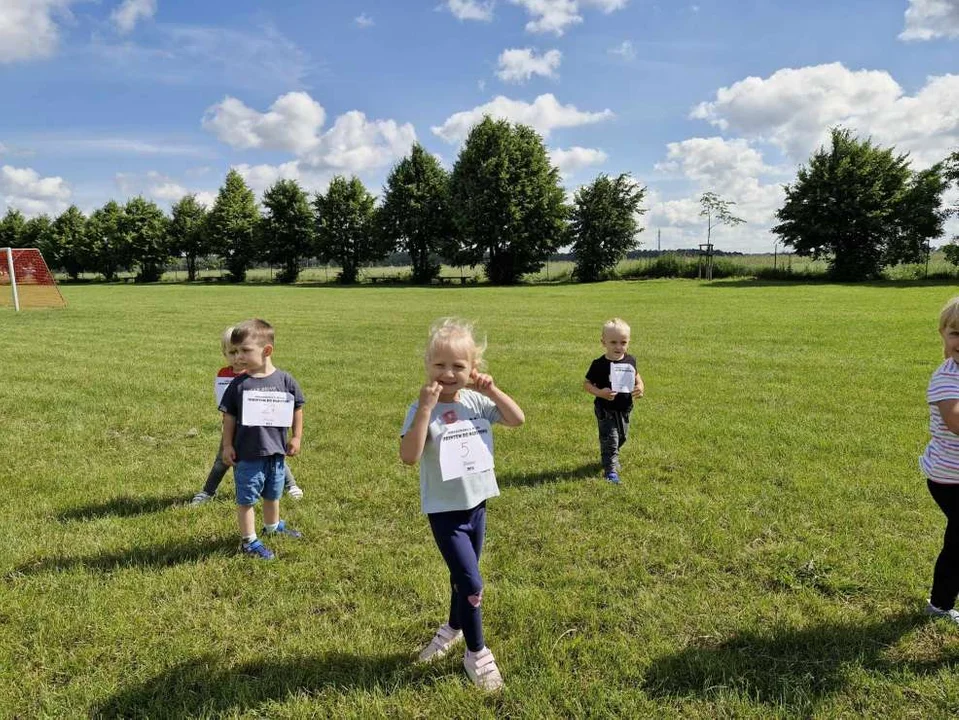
{"x":945,"y":577}
{"x":459,"y":535}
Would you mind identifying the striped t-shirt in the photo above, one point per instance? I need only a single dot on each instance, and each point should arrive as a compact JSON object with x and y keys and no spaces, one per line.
{"x":940,"y":461}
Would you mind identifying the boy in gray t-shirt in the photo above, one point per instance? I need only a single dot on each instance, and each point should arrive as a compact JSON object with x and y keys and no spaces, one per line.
{"x":257,"y":408}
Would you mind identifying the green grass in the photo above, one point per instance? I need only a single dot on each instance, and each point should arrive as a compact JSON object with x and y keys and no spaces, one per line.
{"x":767,"y":556}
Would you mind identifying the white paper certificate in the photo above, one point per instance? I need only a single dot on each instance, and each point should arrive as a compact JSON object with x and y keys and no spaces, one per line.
{"x":622,"y":377}
{"x":466,"y":448}
{"x":220,"y":384}
{"x":267,"y":408}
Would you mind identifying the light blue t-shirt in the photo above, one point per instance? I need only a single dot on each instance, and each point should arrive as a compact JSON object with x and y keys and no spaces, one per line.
{"x":461,"y":493}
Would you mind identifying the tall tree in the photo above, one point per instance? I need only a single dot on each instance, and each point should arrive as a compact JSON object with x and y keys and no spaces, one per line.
{"x":37,"y":234}
{"x":717,"y":212}
{"x":507,"y":201}
{"x":188,"y":235}
{"x":107,"y":240}
{"x":860,"y":206}
{"x":145,"y":229}
{"x":68,"y":237}
{"x":604,"y":225}
{"x":345,"y":230}
{"x":415,"y":215}
{"x":232,"y":226}
{"x":287,"y":228}
{"x":12,"y":229}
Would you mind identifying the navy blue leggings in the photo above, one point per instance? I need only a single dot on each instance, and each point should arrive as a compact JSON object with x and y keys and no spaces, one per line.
{"x":459,"y":536}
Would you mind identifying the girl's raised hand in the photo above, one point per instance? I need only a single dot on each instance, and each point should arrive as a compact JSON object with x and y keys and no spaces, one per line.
{"x":430,"y":395}
{"x":481,"y":381}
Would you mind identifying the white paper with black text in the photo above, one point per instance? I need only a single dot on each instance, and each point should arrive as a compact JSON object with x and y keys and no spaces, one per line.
{"x":267,"y":408}
{"x":466,"y":448}
{"x":622,"y":377}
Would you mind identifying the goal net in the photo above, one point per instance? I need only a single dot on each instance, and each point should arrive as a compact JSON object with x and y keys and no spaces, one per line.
{"x":26,"y":281}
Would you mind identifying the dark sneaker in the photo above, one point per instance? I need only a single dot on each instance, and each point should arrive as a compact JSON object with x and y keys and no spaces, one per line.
{"x":613,"y":477}
{"x":257,"y":549}
{"x":283,"y":529}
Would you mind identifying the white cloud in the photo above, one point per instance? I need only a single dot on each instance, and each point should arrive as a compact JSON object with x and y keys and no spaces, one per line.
{"x":26,"y":190}
{"x":624,"y":50}
{"x":292,"y":123}
{"x":169,"y":191}
{"x":794,"y":109}
{"x":543,"y":115}
{"x":28,"y":29}
{"x":157,"y":186}
{"x":363,"y":20}
{"x":733,"y":169}
{"x":130,"y":12}
{"x":571,"y":160}
{"x":518,"y":65}
{"x":928,"y":19}
{"x":550,"y":15}
{"x":262,"y":177}
{"x":355,"y":144}
{"x":711,"y":160}
{"x":555,"y":16}
{"x":206,"y":198}
{"x":471,"y":9}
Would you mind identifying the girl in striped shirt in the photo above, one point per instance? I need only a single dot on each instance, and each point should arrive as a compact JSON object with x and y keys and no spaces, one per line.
{"x":940,"y":463}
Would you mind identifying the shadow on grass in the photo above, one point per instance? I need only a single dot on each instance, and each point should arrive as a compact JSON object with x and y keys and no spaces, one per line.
{"x":156,"y":556}
{"x":590,"y":470}
{"x":204,"y":687}
{"x":792,"y":668}
{"x":123,"y":506}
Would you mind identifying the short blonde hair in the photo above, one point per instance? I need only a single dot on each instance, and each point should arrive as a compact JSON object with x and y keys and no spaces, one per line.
{"x":450,"y":331}
{"x":226,"y":340}
{"x":616,"y":324}
{"x":949,"y":316}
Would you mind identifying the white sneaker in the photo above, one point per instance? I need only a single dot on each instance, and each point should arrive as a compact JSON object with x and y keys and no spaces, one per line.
{"x":200,"y":498}
{"x":445,"y":638}
{"x":482,"y":670}
{"x":295,"y":492}
{"x":952,"y":615}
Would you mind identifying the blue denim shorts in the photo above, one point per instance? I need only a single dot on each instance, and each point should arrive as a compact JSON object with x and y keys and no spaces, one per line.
{"x":258,"y":478}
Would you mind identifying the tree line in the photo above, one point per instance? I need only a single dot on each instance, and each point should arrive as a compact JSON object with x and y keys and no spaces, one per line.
{"x":859,"y":206}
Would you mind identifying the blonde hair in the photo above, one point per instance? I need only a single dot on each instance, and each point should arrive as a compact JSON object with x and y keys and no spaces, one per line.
{"x":949,"y":316}
{"x":450,"y":331}
{"x":616,"y":324}
{"x":226,"y":341}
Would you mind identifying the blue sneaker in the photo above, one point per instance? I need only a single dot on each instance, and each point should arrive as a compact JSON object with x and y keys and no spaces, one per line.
{"x":283,"y":529}
{"x":257,"y":549}
{"x":613,"y":477}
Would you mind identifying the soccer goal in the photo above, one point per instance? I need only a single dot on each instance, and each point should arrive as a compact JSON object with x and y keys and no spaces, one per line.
{"x":26,"y":281}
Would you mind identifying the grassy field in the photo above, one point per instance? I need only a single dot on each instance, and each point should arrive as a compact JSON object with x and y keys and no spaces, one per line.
{"x":767,"y":556}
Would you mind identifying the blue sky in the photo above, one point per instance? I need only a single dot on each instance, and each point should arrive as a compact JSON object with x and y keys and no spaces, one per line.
{"x":113,"y":98}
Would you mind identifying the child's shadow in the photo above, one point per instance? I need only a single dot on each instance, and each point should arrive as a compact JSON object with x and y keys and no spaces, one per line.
{"x":590,"y":470}
{"x":123,"y":506}
{"x":203,"y":687}
{"x":791,"y":668}
{"x":154,"y":556}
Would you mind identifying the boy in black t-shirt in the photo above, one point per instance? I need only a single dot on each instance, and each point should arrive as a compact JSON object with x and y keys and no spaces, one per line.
{"x":613,"y":380}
